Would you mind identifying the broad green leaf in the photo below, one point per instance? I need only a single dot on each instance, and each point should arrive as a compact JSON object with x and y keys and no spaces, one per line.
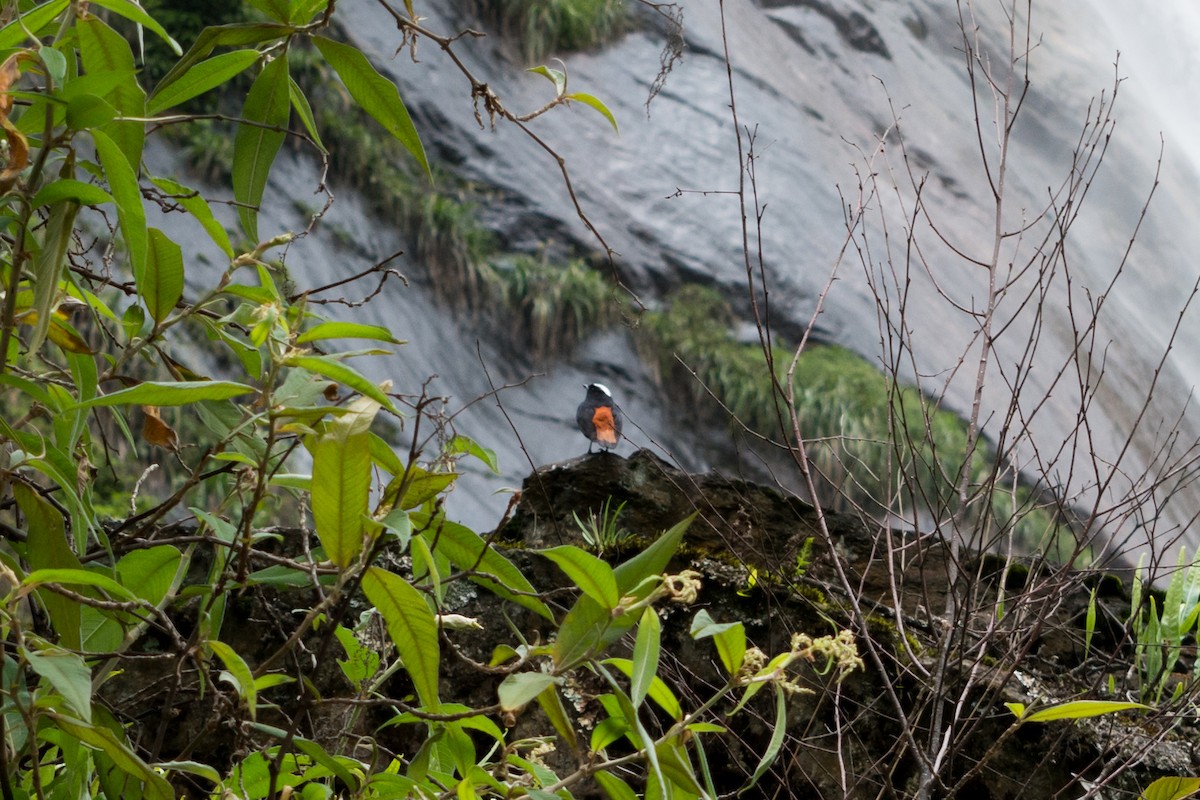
{"x":646,"y":650}
{"x":552,"y":705}
{"x":772,"y":751}
{"x":134,"y":12}
{"x":653,"y":560}
{"x":90,"y":111}
{"x":468,"y":446}
{"x":1171,"y":789}
{"x":591,"y":574}
{"x":78,"y":577}
{"x":154,"y":786}
{"x":238,"y":34}
{"x":1076,"y":709}
{"x":362,"y":662}
{"x":555,"y":76}
{"x":154,"y":393}
{"x":123,"y":183}
{"x":729,"y":637}
{"x":69,"y":676}
{"x":466,"y":550}
{"x":658,"y":691}
{"x":200,"y":78}
{"x":517,"y":689}
{"x":48,"y":548}
{"x":614,"y":787}
{"x":48,"y":269}
{"x":342,"y":767}
{"x":259,"y":138}
{"x":412,"y":627}
{"x":586,"y":628}
{"x":161,"y":285}
{"x":105,"y":51}
{"x":335,"y":370}
{"x":68,"y":189}
{"x":419,"y":486}
{"x":191,"y":768}
{"x":594,"y":102}
{"x":16,"y":33}
{"x":376,"y":94}
{"x":240,"y":670}
{"x":277,"y":10}
{"x":341,"y":482}
{"x":150,"y":574}
{"x":347,"y":330}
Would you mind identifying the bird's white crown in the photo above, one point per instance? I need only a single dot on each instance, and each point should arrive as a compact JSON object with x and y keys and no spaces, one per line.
{"x":602,"y":388}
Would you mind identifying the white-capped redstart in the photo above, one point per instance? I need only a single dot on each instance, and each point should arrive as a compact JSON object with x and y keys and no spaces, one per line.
{"x":597,"y":417}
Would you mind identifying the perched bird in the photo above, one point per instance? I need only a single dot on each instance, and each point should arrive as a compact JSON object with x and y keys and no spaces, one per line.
{"x":598,"y":418}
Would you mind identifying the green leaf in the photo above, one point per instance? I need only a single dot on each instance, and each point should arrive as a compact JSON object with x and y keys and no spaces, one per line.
{"x":150,"y":574}
{"x":256,"y":145}
{"x":78,"y":577}
{"x":304,"y":111}
{"x":89,"y":111}
{"x":377,"y":95}
{"x":412,"y":627}
{"x":86,"y":194}
{"x":235,"y":35}
{"x":361,"y":662}
{"x":161,"y":285}
{"x":594,"y":102}
{"x":419,"y":486}
{"x":556,"y":712}
{"x":653,"y":560}
{"x":191,"y":768}
{"x":48,"y":548}
{"x":168,"y":393}
{"x":240,"y":670}
{"x":557,"y":77}
{"x":347,"y":330}
{"x":104,"y":52}
{"x":1171,"y":789}
{"x":17,"y":32}
{"x":614,"y":787}
{"x":341,"y":482}
{"x":466,"y":550}
{"x":200,"y":78}
{"x":658,"y":691}
{"x":729,"y":637}
{"x":154,"y":786}
{"x":517,"y":689}
{"x":591,"y":574}
{"x":67,"y":673}
{"x":466,"y":446}
{"x":48,"y":269}
{"x":772,"y":751}
{"x":646,"y":650}
{"x":198,"y":207}
{"x":123,"y":183}
{"x":335,"y":370}
{"x":1079,"y":709}
{"x":132,"y":11}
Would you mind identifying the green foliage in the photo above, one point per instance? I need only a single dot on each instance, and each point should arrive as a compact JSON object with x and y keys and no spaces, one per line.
{"x":87,"y":350}
{"x":1160,"y":636}
{"x":602,"y":531}
{"x":544,"y":27}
